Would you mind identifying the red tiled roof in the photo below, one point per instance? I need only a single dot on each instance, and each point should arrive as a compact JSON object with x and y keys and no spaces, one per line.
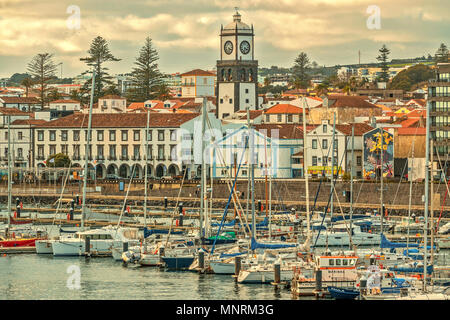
{"x":28,"y":122}
{"x":412,"y":131}
{"x":283,"y":108}
{"x":65,"y":101}
{"x":25,"y":100}
{"x":280,"y":131}
{"x":420,"y":102}
{"x":197,"y":72}
{"x":409,"y":122}
{"x":252,"y":113}
{"x":417,"y":114}
{"x":121,"y":120}
{"x":13,"y":111}
{"x":360,"y":128}
{"x":136,"y":105}
{"x":340,"y":101}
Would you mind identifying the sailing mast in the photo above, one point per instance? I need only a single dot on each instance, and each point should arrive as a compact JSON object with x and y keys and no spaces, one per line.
{"x":410,"y":176}
{"x":305,"y":173}
{"x":83,"y":206}
{"x":427,"y":178}
{"x":9,"y":175}
{"x":351,"y":183}
{"x":381,"y":177}
{"x":203,"y":173}
{"x":252,"y":171}
{"x":146,"y":168}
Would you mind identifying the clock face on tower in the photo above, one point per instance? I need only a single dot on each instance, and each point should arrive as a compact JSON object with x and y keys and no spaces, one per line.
{"x":228,"y":47}
{"x":245,"y":47}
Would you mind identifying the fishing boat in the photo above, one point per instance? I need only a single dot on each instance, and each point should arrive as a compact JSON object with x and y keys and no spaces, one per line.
{"x":339,"y":236}
{"x":179,"y":257}
{"x":343,"y":293}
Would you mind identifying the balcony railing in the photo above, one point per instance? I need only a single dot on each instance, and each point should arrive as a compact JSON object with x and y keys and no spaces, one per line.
{"x":37,"y":158}
{"x":101,"y":157}
{"x":112,"y":158}
{"x":161,"y":158}
{"x":124,"y":157}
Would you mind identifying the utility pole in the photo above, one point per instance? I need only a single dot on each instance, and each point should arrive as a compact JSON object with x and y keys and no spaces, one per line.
{"x":332,"y":162}
{"x":351,"y":182}
{"x":427,"y":179}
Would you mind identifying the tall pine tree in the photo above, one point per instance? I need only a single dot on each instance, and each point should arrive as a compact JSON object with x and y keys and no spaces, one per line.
{"x":383,"y":58}
{"x":98,"y":54}
{"x":300,"y":71}
{"x":146,"y":77}
{"x":42,"y":69}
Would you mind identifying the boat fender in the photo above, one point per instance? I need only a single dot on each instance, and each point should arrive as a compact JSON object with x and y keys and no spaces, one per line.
{"x":15,"y":214}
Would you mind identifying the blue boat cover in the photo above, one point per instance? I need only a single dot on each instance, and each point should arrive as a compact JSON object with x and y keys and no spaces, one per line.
{"x":385,"y":243}
{"x":149,"y":232}
{"x":229,"y":224}
{"x":412,"y":269}
{"x":256,"y":245}
{"x":347,"y":217}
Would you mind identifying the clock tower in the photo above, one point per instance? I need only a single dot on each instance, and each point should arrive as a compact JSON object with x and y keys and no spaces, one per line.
{"x":237,"y":71}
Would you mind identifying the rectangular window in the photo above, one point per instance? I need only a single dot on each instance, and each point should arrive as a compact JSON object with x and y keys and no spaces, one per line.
{"x":136,"y":152}
{"x":173,"y":152}
{"x":160,"y":152}
{"x":324,"y":161}
{"x":324,"y":144}
{"x":247,"y":100}
{"x":64,"y":135}
{"x":221,"y":100}
{"x":20,"y":135}
{"x":40,"y":135}
{"x":52,"y":136}
{"x":267,"y":117}
{"x":173,"y":135}
{"x":52,"y":149}
{"x":279,"y":118}
{"x":230,"y":100}
{"x":314,"y":161}
{"x":314,"y":144}
{"x":358,"y":160}
{"x":149,"y":135}
{"x":289,"y":118}
{"x":160,"y":135}
{"x":76,"y":135}
{"x":20,"y":153}
{"x":40,"y":151}
{"x":124,"y":152}
{"x":100,"y":151}
{"x":136,"y":135}
{"x":324,"y":127}
{"x":246,"y":90}
{"x":76,"y":152}
{"x":112,"y":152}
{"x":124,"y":135}
{"x":112,"y":135}
{"x":99,"y":135}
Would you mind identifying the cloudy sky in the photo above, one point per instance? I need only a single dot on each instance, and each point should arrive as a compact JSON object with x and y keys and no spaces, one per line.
{"x":185,"y":32}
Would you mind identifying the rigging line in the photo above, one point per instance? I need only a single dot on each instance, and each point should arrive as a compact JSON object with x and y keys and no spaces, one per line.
{"x":60,"y":198}
{"x":329,"y":200}
{"x":345,"y":221}
{"x":406,"y":165}
{"x":446,"y":184}
{"x":228,"y":182}
{"x":126,"y":196}
{"x":229,"y":198}
{"x":175,"y":209}
{"x":221,"y":158}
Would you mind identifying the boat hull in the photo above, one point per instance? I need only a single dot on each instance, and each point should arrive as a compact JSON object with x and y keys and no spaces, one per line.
{"x":177,"y":263}
{"x":44,"y":246}
{"x":12,"y":243}
{"x":266,"y":276}
{"x":77,"y":248}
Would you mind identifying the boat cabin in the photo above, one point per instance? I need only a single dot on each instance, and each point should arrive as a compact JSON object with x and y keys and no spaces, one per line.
{"x":336,"y":262}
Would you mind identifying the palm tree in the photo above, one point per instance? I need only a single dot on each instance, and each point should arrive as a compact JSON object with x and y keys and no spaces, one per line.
{"x":27,"y":83}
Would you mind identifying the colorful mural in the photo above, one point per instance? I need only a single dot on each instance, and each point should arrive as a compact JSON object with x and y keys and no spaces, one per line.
{"x":372,"y":154}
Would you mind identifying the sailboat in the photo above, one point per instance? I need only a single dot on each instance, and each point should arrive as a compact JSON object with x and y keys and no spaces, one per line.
{"x":10,"y":240}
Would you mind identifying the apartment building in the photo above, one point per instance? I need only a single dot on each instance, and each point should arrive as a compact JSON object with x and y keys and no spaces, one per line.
{"x":117,"y":142}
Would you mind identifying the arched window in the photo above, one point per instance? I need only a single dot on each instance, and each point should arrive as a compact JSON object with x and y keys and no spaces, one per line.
{"x":250,"y":75}
{"x":242,"y":75}
{"x":222,"y":74}
{"x":230,"y":77}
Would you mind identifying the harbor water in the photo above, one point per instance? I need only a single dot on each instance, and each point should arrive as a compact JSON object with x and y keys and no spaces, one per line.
{"x":36,"y":277}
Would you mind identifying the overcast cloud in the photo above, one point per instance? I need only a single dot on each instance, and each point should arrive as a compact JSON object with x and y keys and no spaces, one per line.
{"x":185,"y":33}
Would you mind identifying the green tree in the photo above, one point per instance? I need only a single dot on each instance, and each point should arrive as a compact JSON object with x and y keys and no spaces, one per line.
{"x":146,"y":76}
{"x":99,"y":54}
{"x":302,"y":66}
{"x":442,"y":54}
{"x":53,"y":95}
{"x":383,"y":58}
{"x":58,"y":160}
{"x":112,"y":90}
{"x":163,"y":92}
{"x":406,"y":79}
{"x":266,"y":81}
{"x":42,"y":68}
